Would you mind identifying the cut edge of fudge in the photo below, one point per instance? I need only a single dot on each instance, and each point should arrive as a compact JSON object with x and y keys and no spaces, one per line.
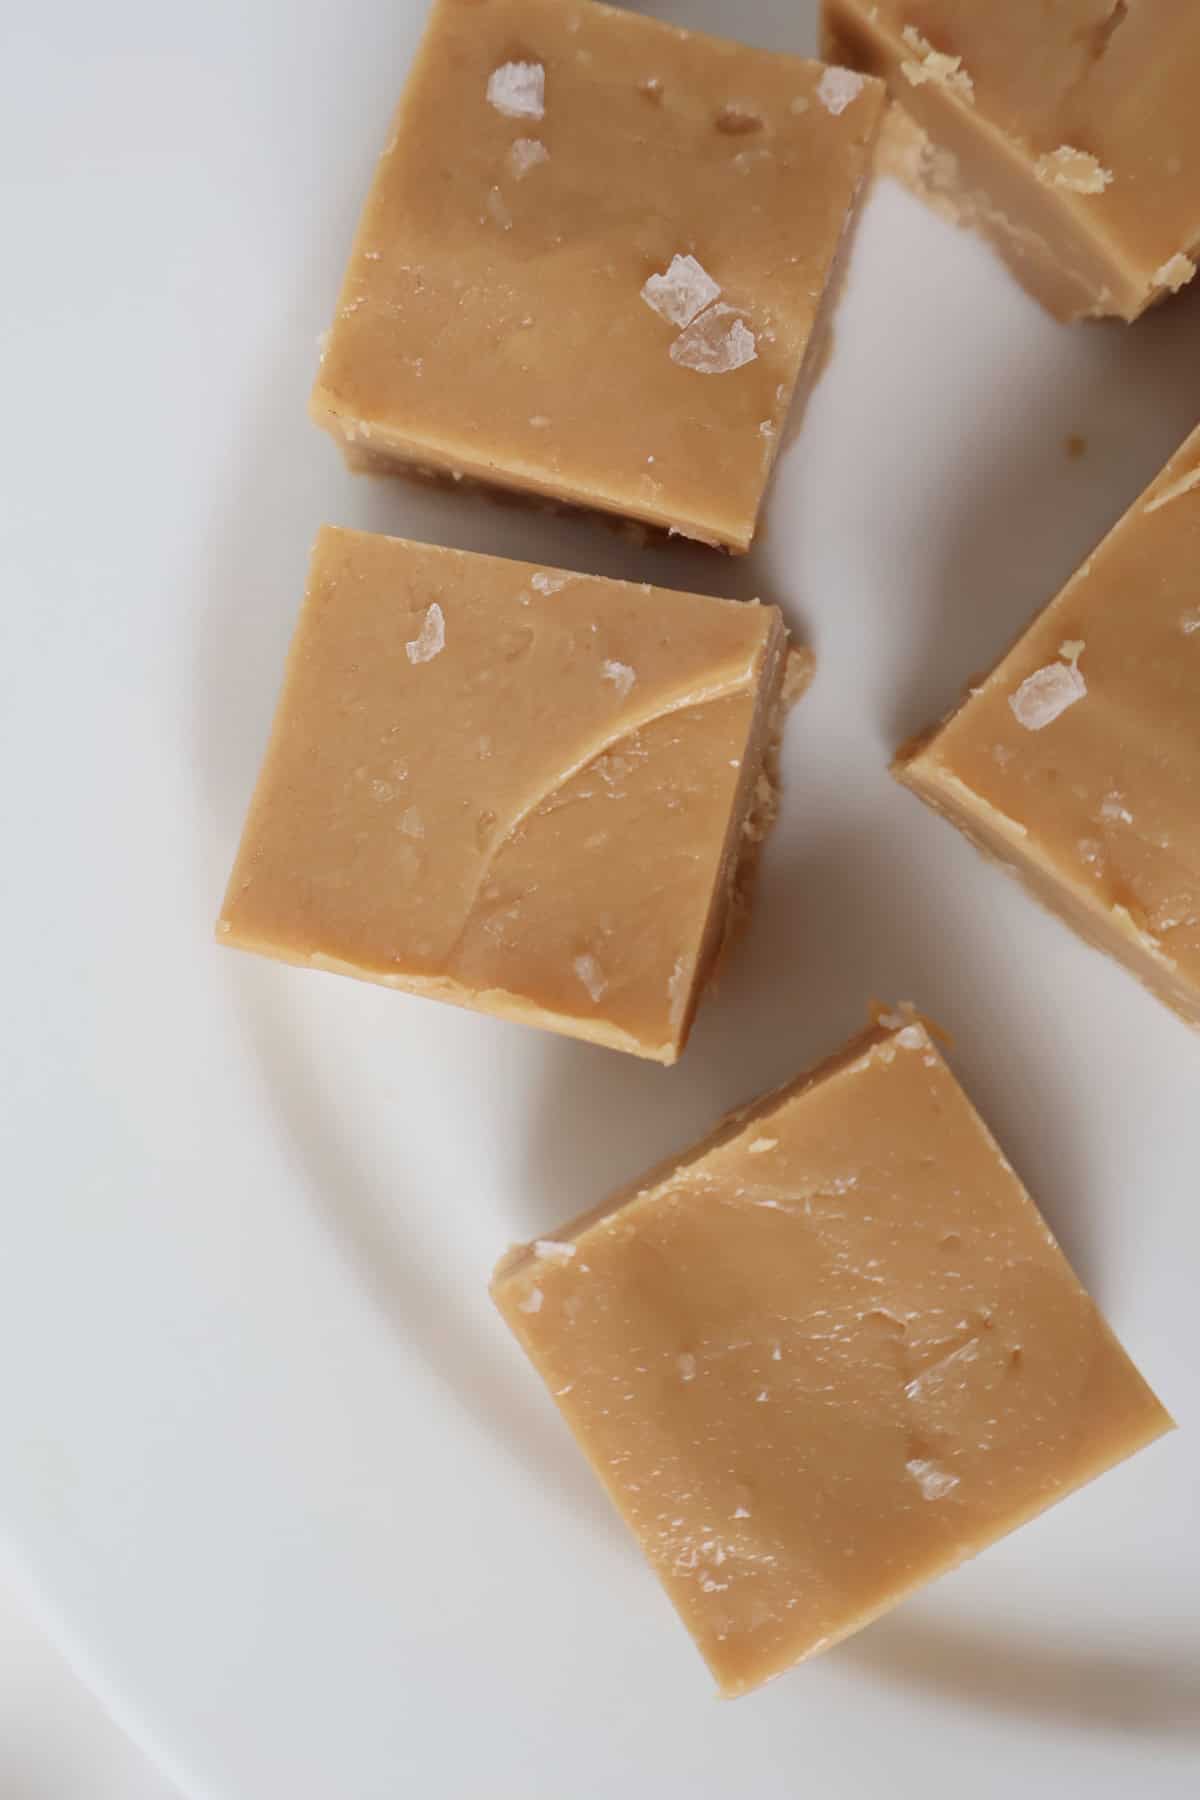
{"x":750,"y":823}
{"x":972,"y":172}
{"x":1006,"y":842}
{"x":645,"y":1188}
{"x":758,"y":821}
{"x":515,"y":1277}
{"x":364,"y":459}
{"x":371,"y":449}
{"x":377,"y":450}
{"x":879,"y":1039}
{"x":780,"y":676}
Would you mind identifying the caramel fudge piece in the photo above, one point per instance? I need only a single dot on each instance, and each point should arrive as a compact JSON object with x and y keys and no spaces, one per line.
{"x":511,"y":787}
{"x":1077,"y":762}
{"x":825,"y":1356}
{"x":1068,"y":133}
{"x":593,"y":261}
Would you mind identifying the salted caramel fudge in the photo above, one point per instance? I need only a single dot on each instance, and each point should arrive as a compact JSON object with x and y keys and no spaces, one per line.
{"x":1076,"y":763}
{"x":1068,"y":134}
{"x":826,"y":1355}
{"x":594,"y":261}
{"x":511,"y":787}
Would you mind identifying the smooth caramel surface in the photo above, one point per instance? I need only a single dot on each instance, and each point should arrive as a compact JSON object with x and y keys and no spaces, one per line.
{"x":511,"y":787}
{"x":825,"y":1356}
{"x":1068,"y":133}
{"x":550,"y":158}
{"x":1077,"y":761}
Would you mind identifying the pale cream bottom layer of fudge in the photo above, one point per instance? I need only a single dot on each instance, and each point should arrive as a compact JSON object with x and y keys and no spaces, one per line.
{"x":825,"y":1355}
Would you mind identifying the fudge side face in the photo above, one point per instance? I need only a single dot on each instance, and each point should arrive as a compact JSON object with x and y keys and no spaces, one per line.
{"x":1068,"y":134}
{"x":510,"y":787}
{"x":1077,"y":761}
{"x":593,"y":260}
{"x":825,"y":1356}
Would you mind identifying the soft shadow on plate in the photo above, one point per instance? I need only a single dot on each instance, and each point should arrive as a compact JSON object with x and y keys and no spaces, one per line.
{"x":1093,"y":1690}
{"x":365,"y":1211}
{"x":840,"y":923}
{"x":848,"y":917}
{"x":1046,"y":482}
{"x":24,"y":1779}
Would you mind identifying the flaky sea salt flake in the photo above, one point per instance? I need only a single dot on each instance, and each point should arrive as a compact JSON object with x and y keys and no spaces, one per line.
{"x":1175,"y":273}
{"x":548,"y":584}
{"x":532,"y":1303}
{"x":591,"y":975}
{"x":498,"y":209}
{"x":552,"y":1250}
{"x":761,"y":1145}
{"x":1046,"y":694}
{"x":1075,"y":171}
{"x":716,"y":343}
{"x":837,"y":88}
{"x":935,"y":67}
{"x":518,"y":90}
{"x":942,"y":1374}
{"x":430,"y":641}
{"x":933,"y":1482}
{"x":683,"y":292}
{"x":525,"y":154}
{"x":620,"y":674}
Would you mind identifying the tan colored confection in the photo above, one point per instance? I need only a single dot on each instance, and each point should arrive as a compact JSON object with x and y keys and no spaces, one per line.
{"x":1076,"y":762}
{"x":593,"y":263}
{"x":511,"y":787}
{"x":1069,"y":134}
{"x":825,"y":1356}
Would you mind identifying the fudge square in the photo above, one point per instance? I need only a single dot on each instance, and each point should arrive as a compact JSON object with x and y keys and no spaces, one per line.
{"x":1067,"y":132}
{"x":594,"y":260}
{"x":1076,"y":763}
{"x":511,"y":787}
{"x":825,"y":1356}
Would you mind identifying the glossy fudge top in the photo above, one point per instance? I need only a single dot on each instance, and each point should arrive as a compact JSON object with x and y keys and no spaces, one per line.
{"x":593,"y":257}
{"x":508,"y":786}
{"x":826,"y":1355}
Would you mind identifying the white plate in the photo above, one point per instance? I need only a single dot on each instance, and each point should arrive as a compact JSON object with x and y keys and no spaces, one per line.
{"x":281,"y":1481}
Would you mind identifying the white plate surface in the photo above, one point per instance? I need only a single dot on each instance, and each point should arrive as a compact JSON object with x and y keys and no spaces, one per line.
{"x":277,"y":1476}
